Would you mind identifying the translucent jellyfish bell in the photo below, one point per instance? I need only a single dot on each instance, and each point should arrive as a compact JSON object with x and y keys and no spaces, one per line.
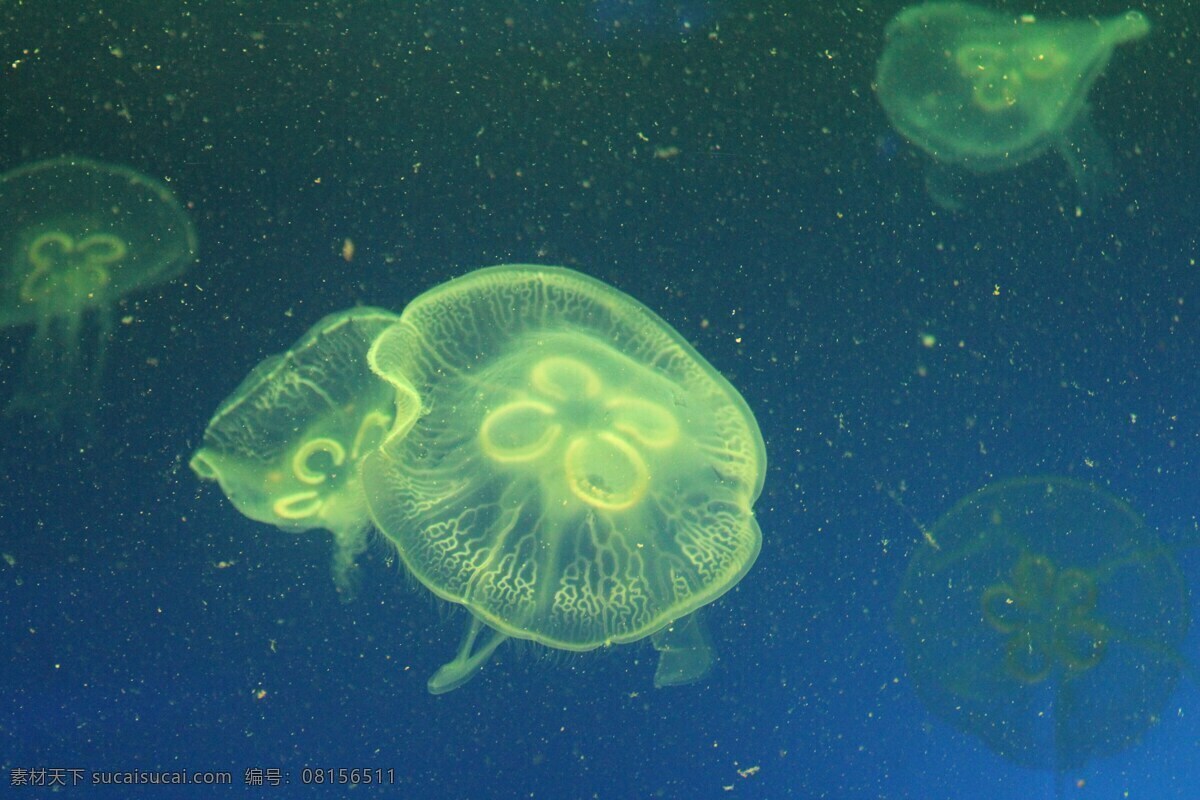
{"x":982,"y":92}
{"x":76,"y":235}
{"x":1043,"y":616}
{"x":287,"y":444}
{"x":565,"y":466}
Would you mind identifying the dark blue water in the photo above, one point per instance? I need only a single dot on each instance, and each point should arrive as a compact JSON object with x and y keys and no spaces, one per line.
{"x":728,"y":165}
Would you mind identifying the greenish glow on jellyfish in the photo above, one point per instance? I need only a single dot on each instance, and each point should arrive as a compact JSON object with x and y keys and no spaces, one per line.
{"x":1044,"y":617}
{"x":286,"y":446}
{"x":77,"y":235}
{"x":565,"y":466}
{"x":981,"y":92}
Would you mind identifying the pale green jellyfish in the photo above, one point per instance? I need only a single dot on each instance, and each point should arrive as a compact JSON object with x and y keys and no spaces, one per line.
{"x":1043,"y":616}
{"x":565,"y":466}
{"x":75,"y":236}
{"x":287,"y":444}
{"x":981,"y":92}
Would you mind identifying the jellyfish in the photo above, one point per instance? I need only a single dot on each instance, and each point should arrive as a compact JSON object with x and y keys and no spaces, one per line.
{"x":564,"y":465}
{"x":286,"y":446}
{"x":76,"y":236}
{"x":981,"y":92}
{"x":1044,"y":617}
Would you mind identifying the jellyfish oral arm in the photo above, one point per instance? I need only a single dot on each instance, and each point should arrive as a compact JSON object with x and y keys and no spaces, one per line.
{"x":464,"y":666}
{"x":684,"y":654}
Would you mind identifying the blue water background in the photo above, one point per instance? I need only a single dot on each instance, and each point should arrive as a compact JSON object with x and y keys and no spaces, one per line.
{"x":728,"y":165}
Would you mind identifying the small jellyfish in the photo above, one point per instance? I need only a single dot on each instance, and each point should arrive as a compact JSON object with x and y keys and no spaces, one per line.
{"x":565,"y":466}
{"x":287,"y":444}
{"x":981,"y":92}
{"x":1045,"y":617}
{"x":75,"y":236}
